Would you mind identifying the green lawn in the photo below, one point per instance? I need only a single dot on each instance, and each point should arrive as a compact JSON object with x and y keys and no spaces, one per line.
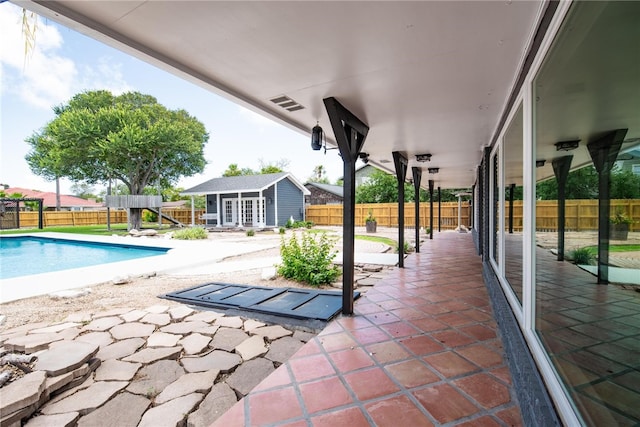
{"x":95,"y":230}
{"x":379,"y":239}
{"x":617,"y":248}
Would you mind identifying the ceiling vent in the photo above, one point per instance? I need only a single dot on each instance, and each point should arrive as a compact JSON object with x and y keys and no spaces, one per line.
{"x":287,"y":103}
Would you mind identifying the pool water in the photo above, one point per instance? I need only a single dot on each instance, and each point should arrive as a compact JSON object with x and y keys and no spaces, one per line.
{"x":22,"y":256}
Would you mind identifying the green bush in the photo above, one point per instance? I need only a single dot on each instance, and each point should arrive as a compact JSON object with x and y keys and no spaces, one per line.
{"x":193,"y":233}
{"x":309,"y":259}
{"x":148,"y":216}
{"x":407,"y":248}
{"x":251,"y":232}
{"x":298,"y":224}
{"x":582,"y":256}
{"x":282,"y":230}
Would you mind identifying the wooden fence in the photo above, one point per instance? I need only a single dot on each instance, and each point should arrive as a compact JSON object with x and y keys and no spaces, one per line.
{"x":581,"y":215}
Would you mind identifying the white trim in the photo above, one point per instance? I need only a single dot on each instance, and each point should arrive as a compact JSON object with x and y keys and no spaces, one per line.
{"x":275,"y":204}
{"x":219,"y":208}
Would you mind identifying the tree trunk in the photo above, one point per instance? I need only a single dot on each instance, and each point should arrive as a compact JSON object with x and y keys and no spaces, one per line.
{"x":135,"y":218}
{"x":57,"y":194}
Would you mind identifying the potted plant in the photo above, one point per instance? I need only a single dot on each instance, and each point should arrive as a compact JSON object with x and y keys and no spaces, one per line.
{"x":619,"y":226}
{"x":371,"y":223}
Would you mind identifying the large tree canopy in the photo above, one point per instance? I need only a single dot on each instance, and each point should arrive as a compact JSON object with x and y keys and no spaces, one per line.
{"x":97,"y":136}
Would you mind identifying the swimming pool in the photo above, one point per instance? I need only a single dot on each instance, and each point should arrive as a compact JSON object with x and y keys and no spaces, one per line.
{"x":23,"y":256}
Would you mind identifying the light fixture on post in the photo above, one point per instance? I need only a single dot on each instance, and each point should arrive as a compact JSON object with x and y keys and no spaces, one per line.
{"x":318,"y":140}
{"x":433,"y":170}
{"x":567,"y":145}
{"x":423,"y":157}
{"x":364,"y":157}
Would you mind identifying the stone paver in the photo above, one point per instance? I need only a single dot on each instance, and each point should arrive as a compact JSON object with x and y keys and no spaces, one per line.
{"x":249,"y":374}
{"x":189,"y":383}
{"x":194,"y":343}
{"x":125,"y":409}
{"x":283,"y":348}
{"x":53,"y":384}
{"x":116,"y":370}
{"x":31,"y":343}
{"x":171,"y":414}
{"x":252,"y":347}
{"x":87,"y":400}
{"x":219,"y":400}
{"x":208,"y":330}
{"x":227,"y":339}
{"x":230,"y":322}
{"x":79,"y":317}
{"x":120,"y":349}
{"x":132,"y":330}
{"x":180,"y":312}
{"x":303,"y":336}
{"x":65,"y":357}
{"x":54,"y":328}
{"x":112,"y":312}
{"x":20,"y":394}
{"x":150,"y":355}
{"x":59,"y":420}
{"x":159,"y":319}
{"x":134,"y":315}
{"x":157,"y":309}
{"x":184,"y":327}
{"x":272,"y":332}
{"x":205,"y":316}
{"x":251,"y":324}
{"x":101,"y":339}
{"x":217,"y":359}
{"x":162,"y":339}
{"x":103,"y":323}
{"x":153,"y":378}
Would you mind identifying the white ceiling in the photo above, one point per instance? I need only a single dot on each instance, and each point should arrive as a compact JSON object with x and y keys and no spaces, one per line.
{"x":426,"y":76}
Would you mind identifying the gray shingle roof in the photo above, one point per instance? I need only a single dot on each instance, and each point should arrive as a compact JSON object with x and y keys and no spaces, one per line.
{"x":333,"y":189}
{"x":234,"y":184}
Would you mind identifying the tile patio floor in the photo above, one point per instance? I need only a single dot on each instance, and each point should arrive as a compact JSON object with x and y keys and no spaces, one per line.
{"x":421,"y":350}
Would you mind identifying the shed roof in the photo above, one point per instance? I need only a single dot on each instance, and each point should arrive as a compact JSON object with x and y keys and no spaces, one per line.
{"x":244,"y":183}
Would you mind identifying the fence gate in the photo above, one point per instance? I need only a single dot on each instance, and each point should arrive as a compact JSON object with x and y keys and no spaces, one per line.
{"x":10,"y":212}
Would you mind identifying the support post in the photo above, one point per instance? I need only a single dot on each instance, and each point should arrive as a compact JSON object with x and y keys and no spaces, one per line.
{"x":417,"y":177}
{"x":604,"y":152}
{"x":431,"y":209}
{"x":439,"y":209}
{"x":512,"y":188}
{"x":401,"y":164}
{"x":193,"y":212}
{"x":561,"y":167}
{"x":484,"y":207}
{"x":40,"y":224}
{"x":350,"y":133}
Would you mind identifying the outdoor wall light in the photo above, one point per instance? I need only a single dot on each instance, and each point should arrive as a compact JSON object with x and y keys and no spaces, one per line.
{"x":433,"y":170}
{"x":423,"y":157}
{"x":567,"y":145}
{"x":364,"y":157}
{"x":317,"y":137}
{"x":540,"y":163}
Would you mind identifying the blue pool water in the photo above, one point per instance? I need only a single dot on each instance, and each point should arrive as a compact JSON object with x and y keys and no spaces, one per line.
{"x":22,"y":256}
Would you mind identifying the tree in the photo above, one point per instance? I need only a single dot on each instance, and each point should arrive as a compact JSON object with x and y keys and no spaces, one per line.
{"x":83,"y":190}
{"x":97,"y":137}
{"x":233,"y":170}
{"x":382,"y":188}
{"x":319,"y":175}
{"x":273,"y":167}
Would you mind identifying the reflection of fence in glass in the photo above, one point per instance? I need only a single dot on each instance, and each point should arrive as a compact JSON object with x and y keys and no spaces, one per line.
{"x":580,"y":215}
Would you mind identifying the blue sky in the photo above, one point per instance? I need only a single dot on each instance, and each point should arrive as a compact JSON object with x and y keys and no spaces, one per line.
{"x":65,"y":62}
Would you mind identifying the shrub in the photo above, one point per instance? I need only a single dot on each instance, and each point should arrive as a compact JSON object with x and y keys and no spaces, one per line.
{"x":193,"y":233}
{"x":298,"y":224}
{"x":582,"y":256}
{"x":148,"y":216}
{"x":282,"y":230}
{"x":251,"y":232}
{"x":406,"y":246}
{"x":308,"y":260}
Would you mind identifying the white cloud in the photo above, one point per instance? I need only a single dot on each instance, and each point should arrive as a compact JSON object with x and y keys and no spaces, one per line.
{"x":45,"y":77}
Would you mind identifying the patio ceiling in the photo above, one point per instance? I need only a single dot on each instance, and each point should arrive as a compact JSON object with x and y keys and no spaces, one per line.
{"x":427,"y":77}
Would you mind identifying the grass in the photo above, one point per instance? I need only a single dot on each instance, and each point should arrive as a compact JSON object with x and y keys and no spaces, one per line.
{"x":93,"y":230}
{"x":616,"y":248}
{"x":379,"y":239}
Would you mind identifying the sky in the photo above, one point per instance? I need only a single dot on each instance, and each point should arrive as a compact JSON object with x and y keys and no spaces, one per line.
{"x":64,"y":63}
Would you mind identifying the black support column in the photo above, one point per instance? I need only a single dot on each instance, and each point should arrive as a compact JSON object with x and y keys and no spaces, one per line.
{"x":439,"y":209}
{"x":512,"y":188}
{"x":485,"y":203}
{"x":431,"y":209}
{"x":561,"y":167}
{"x":417,"y":177}
{"x":350,"y":133}
{"x":401,"y":163}
{"x":604,"y":152}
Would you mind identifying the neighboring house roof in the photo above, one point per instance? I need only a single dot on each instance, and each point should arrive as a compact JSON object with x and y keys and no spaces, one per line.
{"x":50,"y":198}
{"x":244,"y":183}
{"x":336,"y":190}
{"x":176,"y":204}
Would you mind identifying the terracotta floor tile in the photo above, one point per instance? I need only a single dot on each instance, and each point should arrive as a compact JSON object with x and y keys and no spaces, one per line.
{"x":338,"y":341}
{"x":391,"y":304}
{"x":479,"y":332}
{"x":422,"y":345}
{"x":331,"y":328}
{"x":350,"y":360}
{"x":433,"y":309}
{"x":455,"y":319}
{"x":324,"y":394}
{"x":352,"y":323}
{"x":386,"y":352}
{"x":450,"y":364}
{"x":370,"y":335}
{"x":301,"y":423}
{"x":311,"y":367}
{"x":263,"y":411}
{"x":503,"y":374}
{"x":478,"y":315}
{"x":485,"y":389}
{"x":451,"y":338}
{"x":412,"y":373}
{"x":428,"y":324}
{"x":397,"y":411}
{"x":445,"y":403}
{"x":233,"y":417}
{"x":382,"y":318}
{"x":485,"y":421}
{"x":367,"y":308}
{"x":408,"y":313}
{"x":413,"y":301}
{"x":278,"y":378}
{"x":481,"y":355}
{"x":511,"y":416}
{"x":370,"y":383}
{"x":308,"y":349}
{"x":399,"y":329}
{"x":351,"y":417}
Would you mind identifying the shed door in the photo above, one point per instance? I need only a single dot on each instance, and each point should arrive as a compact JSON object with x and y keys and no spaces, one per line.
{"x":230,"y":212}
